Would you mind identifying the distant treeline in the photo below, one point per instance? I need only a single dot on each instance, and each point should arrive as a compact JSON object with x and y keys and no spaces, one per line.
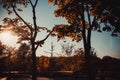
{"x":77,"y":63}
{"x":73,"y":63}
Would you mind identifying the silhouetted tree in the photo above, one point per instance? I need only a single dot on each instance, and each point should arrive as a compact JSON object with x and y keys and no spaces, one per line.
{"x":1,"y":48}
{"x":2,"y":56}
{"x":67,"y":48}
{"x":12,"y":6}
{"x":23,"y":57}
{"x":5,"y":54}
{"x":109,"y":67}
{"x":84,"y":16}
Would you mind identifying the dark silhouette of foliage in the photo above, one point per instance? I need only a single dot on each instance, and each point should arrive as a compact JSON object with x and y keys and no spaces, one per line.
{"x":2,"y":57}
{"x":84,"y":16}
{"x":12,"y":6}
{"x":6,"y":53}
{"x":23,"y":57}
{"x":18,"y":27}
{"x":1,"y":48}
{"x":18,"y":59}
{"x":109,"y":67}
{"x":72,"y":63}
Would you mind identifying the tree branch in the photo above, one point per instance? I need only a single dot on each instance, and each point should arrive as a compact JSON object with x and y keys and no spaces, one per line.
{"x":21,"y":18}
{"x":34,"y":18}
{"x":31,"y":3}
{"x":48,"y":35}
{"x":35,"y":3}
{"x":83,"y":22}
{"x":42,"y":41}
{"x":36,"y":47}
{"x":88,"y":14}
{"x":90,"y":27}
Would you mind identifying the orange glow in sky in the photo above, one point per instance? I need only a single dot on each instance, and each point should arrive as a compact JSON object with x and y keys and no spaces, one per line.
{"x":7,"y":38}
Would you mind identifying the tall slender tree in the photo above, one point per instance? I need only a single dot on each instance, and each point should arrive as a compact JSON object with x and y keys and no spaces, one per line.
{"x":12,"y":6}
{"x":83,"y":16}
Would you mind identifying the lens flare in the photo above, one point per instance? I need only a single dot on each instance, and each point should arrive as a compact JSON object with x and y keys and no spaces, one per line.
{"x":7,"y":38}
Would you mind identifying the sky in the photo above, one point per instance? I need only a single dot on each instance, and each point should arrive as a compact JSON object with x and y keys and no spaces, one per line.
{"x":103,"y":43}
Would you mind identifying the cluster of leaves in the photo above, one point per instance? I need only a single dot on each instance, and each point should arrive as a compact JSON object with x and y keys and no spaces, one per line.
{"x":100,"y":12}
{"x":67,"y":9}
{"x":16,"y":26}
{"x":63,"y":31}
{"x":107,"y":11}
{"x":7,"y":4}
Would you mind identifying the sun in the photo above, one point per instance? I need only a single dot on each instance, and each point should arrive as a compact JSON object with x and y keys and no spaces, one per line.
{"x":7,"y":38}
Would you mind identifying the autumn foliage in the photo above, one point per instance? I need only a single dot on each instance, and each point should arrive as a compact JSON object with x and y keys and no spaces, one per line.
{"x":60,"y":63}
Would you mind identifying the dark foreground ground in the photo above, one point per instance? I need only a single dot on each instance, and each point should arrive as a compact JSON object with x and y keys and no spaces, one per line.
{"x":108,"y":69}
{"x":66,"y":75}
{"x":41,"y":76}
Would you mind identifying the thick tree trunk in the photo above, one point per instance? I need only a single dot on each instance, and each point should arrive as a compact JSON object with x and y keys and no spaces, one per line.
{"x":87,"y":47}
{"x":88,"y":64}
{"x":34,"y":69}
{"x":87,"y":43}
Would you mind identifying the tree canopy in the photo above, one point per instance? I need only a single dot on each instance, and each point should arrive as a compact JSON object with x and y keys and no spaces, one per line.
{"x":32,"y":30}
{"x":83,"y":16}
{"x":100,"y":12}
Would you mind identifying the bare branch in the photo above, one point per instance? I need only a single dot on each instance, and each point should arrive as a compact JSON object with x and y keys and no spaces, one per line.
{"x":34,"y":18}
{"x":42,"y":41}
{"x":21,"y":18}
{"x":31,"y":3}
{"x":36,"y":47}
{"x":35,"y":3}
{"x":48,"y":35}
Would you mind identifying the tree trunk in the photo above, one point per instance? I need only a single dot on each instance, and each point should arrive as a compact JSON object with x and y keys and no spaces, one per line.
{"x":88,"y":63}
{"x":87,"y":43}
{"x":34,"y":69}
{"x":86,"y":47}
